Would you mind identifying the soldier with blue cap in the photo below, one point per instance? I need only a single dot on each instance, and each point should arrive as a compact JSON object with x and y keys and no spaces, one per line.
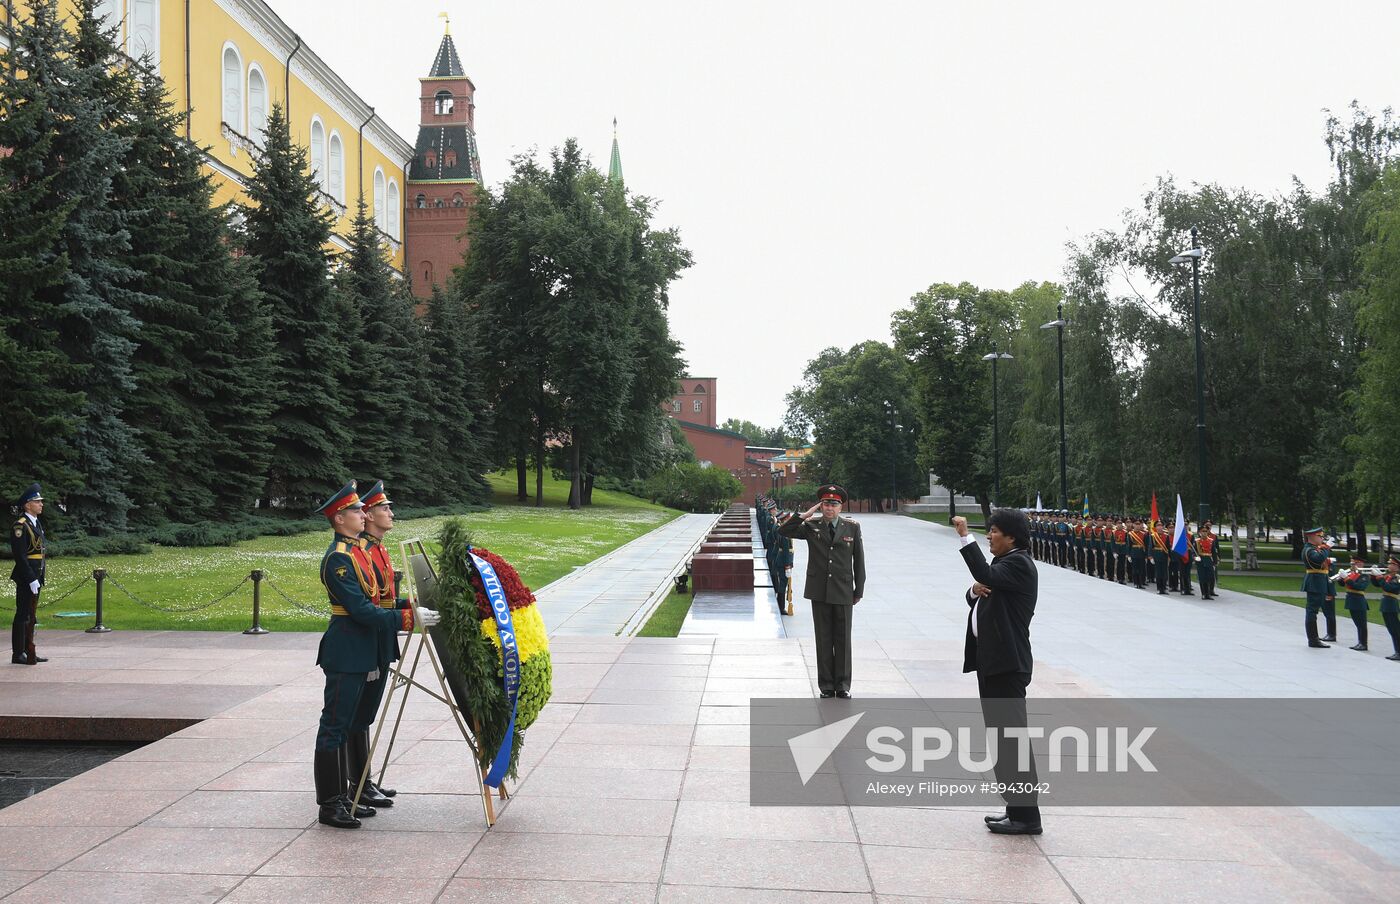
{"x":349,"y":654}
{"x":1316,"y":568}
{"x":28,"y":547}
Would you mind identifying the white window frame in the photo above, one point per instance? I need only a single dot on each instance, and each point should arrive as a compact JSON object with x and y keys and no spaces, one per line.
{"x":696,"y":405}
{"x":111,"y":9}
{"x":133,"y":25}
{"x":254,"y":131}
{"x":392,"y":206}
{"x":319,"y":157}
{"x":238,"y":126}
{"x":335,"y":180}
{"x":378,"y":198}
{"x":441,"y":109}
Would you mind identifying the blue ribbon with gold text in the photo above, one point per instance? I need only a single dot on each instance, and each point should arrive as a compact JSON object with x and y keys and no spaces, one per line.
{"x":510,"y":660}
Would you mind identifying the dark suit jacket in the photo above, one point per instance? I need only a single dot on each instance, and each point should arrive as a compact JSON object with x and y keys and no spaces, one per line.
{"x":835,"y":570}
{"x":1003,"y":641}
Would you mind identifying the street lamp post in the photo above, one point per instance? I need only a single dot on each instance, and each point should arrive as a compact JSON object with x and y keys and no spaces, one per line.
{"x":1059,"y":324}
{"x":994,"y":357}
{"x":1194,"y":254}
{"x":894,"y":457}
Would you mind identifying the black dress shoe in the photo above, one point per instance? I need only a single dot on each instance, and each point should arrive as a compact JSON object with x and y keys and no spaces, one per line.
{"x":19,"y":659}
{"x":337,"y":815}
{"x":361,"y":811}
{"x":37,"y":658}
{"x":1395,"y":658}
{"x":372,"y":796}
{"x":1317,"y":644}
{"x":844,"y":695}
{"x":1360,"y":648}
{"x":1331,"y":638}
{"x":827,"y":695}
{"x":991,"y":819}
{"x":1009,"y":826}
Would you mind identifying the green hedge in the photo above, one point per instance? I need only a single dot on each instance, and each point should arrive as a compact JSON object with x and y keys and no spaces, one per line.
{"x":691,"y":488}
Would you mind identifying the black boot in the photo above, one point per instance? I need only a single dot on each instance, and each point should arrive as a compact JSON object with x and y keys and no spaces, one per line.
{"x":1311,"y":626}
{"x":330,"y":792}
{"x":358,"y":750}
{"x":348,"y":785}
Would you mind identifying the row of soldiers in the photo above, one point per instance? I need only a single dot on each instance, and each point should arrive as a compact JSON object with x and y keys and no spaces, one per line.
{"x":1122,"y":548}
{"x":778,"y":549}
{"x":1321,"y":577}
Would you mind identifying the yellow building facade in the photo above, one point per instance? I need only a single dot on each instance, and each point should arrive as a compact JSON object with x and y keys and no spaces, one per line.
{"x":226,"y":63}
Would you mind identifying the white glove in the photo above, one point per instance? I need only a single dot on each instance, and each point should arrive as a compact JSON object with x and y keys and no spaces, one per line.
{"x":427,"y":617}
{"x":33,"y":586}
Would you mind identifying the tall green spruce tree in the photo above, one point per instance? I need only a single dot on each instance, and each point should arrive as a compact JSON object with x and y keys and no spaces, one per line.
{"x":311,"y":378}
{"x":67,"y":99}
{"x":204,"y":336}
{"x":39,"y":409}
{"x":458,"y":432}
{"x":390,"y":417}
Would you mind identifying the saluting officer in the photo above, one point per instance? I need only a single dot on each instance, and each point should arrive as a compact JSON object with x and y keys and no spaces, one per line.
{"x":1390,"y":604}
{"x":1356,"y":582}
{"x":379,"y":520}
{"x":349,"y":651}
{"x":27,"y":546}
{"x":1316,"y":564}
{"x":1207,"y":555}
{"x":835,"y":583}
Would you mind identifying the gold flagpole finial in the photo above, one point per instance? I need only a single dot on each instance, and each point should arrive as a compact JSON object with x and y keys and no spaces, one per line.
{"x":446,"y":23}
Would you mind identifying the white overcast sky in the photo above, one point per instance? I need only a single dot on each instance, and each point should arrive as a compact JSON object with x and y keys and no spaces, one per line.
{"x":824,"y":161}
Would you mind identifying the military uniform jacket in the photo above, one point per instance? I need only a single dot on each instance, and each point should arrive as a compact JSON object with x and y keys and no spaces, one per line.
{"x":27,"y":546}
{"x":1315,"y":575}
{"x":1159,"y":544}
{"x":1205,"y":548}
{"x":1356,"y":596}
{"x":351,"y":641}
{"x":378,"y":555}
{"x":835,"y":568}
{"x":1390,"y":593}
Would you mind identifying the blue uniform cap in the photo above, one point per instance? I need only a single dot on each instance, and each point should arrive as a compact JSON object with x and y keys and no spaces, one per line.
{"x":31,"y":495}
{"x":1312,"y":530}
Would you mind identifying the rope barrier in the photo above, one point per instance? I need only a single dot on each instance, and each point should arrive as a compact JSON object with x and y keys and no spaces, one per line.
{"x":178,"y":610}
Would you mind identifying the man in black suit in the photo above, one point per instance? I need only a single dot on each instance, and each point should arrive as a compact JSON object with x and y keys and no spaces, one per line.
{"x":835,"y":583}
{"x":1001,"y":604}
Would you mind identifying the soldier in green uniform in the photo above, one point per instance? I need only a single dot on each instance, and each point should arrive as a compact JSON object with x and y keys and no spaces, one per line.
{"x":1390,"y":604}
{"x":1137,"y":551}
{"x":27,"y":545}
{"x":1329,"y":608}
{"x":379,"y":520}
{"x":1161,"y":554}
{"x":1315,"y":583}
{"x":835,"y":583}
{"x":1356,"y":581}
{"x":1184,"y":568}
{"x":349,"y":651}
{"x":1207,"y":557}
{"x":1063,"y":535}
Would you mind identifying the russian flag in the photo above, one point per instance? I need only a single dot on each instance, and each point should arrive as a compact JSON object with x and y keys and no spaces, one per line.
{"x":1179,"y":535}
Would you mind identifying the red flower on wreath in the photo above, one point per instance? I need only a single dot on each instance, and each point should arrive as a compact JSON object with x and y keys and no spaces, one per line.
{"x":518,"y":596}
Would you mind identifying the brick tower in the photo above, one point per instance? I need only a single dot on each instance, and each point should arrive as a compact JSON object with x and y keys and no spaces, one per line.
{"x":444,"y":175}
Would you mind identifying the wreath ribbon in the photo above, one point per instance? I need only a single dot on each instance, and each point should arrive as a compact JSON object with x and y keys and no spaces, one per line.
{"x":510,"y":661}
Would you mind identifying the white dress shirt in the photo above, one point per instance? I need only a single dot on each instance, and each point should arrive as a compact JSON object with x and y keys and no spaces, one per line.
{"x":964,"y":541}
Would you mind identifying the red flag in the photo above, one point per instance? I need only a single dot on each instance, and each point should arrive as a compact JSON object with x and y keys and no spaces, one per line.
{"x":1155,"y":519}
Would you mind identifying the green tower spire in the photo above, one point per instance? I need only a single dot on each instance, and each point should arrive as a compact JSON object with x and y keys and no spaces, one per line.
{"x":615,"y":164}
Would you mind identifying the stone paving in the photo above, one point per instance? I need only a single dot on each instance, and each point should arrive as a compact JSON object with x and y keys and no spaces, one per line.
{"x":634,"y":783}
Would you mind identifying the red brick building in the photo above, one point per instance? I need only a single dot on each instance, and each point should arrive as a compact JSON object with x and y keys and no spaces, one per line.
{"x":445,"y":173}
{"x":694,"y":402}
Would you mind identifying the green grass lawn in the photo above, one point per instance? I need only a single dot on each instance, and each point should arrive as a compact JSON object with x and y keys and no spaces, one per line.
{"x":667,"y":619}
{"x":542,"y":543}
{"x":1261,"y":585}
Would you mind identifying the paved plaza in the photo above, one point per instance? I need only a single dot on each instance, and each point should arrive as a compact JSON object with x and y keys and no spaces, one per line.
{"x":634,"y":783}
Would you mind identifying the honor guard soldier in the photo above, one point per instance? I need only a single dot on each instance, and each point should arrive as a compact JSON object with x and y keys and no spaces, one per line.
{"x":1329,"y":608}
{"x":1076,"y":542}
{"x":1161,"y":553}
{"x":1390,"y":604}
{"x":349,"y":654}
{"x":27,"y":546}
{"x":1137,"y":552}
{"x":379,"y":520}
{"x":1315,"y":583}
{"x":1355,"y":581}
{"x":1185,"y":566}
{"x":1063,"y":533}
{"x":1207,"y":557}
{"x":835,"y":583}
{"x":1120,"y":552}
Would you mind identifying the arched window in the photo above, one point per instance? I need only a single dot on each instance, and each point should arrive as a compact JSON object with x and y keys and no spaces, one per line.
{"x":430,"y":159}
{"x":442,"y":103}
{"x":421,"y":201}
{"x":233,"y":88}
{"x":700,"y":388}
{"x":379,"y":215}
{"x":143,"y":27}
{"x":449,"y":157}
{"x":336,"y":165}
{"x":318,"y":154}
{"x":426,"y":268}
{"x":437,"y":202}
{"x":392,"y":202}
{"x":257,"y":102}
{"x":457,"y":200}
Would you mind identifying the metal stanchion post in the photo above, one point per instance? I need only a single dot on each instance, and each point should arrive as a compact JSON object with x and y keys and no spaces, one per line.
{"x":99,"y":575}
{"x":257,"y":628}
